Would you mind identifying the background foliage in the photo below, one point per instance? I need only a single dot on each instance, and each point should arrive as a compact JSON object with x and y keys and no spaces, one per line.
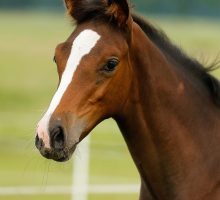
{"x":192,"y":7}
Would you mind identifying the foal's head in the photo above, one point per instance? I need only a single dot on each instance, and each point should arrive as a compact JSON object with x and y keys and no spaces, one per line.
{"x":94,"y":71}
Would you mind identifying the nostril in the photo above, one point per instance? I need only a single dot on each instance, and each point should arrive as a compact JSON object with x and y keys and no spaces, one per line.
{"x":57,"y":138}
{"x":38,"y":142}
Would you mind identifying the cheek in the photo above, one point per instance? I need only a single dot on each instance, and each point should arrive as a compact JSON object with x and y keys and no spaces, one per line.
{"x":60,"y":70}
{"x":120,"y":85}
{"x":112,"y":93}
{"x":92,"y":92}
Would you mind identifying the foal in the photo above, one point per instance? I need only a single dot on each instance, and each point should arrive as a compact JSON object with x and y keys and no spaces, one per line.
{"x":117,"y":65}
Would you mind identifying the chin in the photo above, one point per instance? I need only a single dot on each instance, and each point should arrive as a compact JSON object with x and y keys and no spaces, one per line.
{"x":61,"y":155}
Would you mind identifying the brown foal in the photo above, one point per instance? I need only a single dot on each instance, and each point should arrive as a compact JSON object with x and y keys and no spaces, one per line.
{"x":117,"y":65}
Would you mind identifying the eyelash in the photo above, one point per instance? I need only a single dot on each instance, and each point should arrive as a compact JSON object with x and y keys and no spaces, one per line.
{"x":54,"y":59}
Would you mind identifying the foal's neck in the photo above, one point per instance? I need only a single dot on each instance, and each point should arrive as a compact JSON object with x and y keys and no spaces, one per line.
{"x":165,"y":124}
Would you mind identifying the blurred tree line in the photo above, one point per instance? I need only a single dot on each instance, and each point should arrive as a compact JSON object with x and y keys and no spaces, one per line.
{"x":31,"y":4}
{"x":189,"y":7}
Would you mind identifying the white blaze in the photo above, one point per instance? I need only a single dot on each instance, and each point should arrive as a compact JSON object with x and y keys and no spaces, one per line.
{"x":81,"y":46}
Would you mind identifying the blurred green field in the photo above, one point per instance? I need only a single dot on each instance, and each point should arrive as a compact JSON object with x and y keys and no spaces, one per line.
{"x":28,"y":82}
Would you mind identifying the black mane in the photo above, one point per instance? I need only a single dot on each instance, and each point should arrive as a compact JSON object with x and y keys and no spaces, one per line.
{"x":165,"y":45}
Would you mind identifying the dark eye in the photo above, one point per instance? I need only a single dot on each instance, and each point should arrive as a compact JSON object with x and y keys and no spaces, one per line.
{"x":111,"y":65}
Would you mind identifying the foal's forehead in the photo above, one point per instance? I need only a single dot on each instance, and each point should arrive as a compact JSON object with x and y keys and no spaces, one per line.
{"x":78,"y":42}
{"x":107,"y":32}
{"x":106,"y":39}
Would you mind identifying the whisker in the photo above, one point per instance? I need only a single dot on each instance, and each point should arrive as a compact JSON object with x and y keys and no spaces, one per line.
{"x":47,"y":172}
{"x":44,"y":175}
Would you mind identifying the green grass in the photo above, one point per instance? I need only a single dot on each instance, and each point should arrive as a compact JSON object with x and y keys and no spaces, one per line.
{"x":58,"y":197}
{"x":28,"y":81}
{"x":19,"y":197}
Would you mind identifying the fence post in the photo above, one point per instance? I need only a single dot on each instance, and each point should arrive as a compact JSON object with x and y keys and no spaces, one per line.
{"x":81,"y":171}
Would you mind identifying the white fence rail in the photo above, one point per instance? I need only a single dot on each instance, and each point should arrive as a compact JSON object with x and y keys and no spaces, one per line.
{"x":51,"y":190}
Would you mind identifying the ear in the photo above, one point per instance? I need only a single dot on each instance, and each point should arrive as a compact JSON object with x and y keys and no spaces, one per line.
{"x":70,"y":6}
{"x":119,"y":10}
